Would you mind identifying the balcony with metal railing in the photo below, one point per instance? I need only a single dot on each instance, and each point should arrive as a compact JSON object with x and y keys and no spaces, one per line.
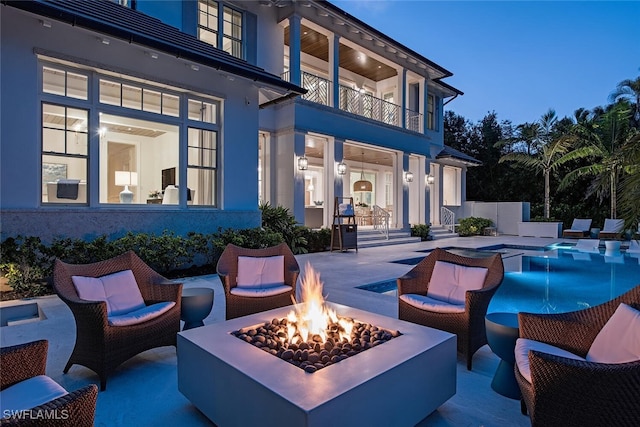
{"x":358,"y":102}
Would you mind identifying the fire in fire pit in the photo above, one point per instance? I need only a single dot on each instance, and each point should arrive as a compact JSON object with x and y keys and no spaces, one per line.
{"x":313,"y":336}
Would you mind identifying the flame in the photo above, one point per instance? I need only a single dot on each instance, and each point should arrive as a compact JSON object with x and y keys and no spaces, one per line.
{"x":313,"y":318}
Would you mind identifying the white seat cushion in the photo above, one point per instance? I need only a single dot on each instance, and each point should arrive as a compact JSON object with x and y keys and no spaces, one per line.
{"x":579,"y":224}
{"x":612,"y":225}
{"x":142,"y":314}
{"x":523,"y":346}
{"x":430,"y":304}
{"x":450,"y":282}
{"x":266,"y":291}
{"x":257,"y":272}
{"x":619,"y":340}
{"x":30,"y":393}
{"x":119,"y":290}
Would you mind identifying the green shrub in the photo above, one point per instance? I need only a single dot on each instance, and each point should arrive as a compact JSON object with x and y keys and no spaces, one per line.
{"x":24,"y":261}
{"x":280,"y":220}
{"x":421,"y":230}
{"x":473,"y":226}
{"x":317,"y":240}
{"x":542,"y":219}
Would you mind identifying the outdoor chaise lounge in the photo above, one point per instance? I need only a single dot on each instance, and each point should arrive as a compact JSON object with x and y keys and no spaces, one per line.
{"x":588,"y":245}
{"x":582,"y":368}
{"x":256,"y":280}
{"x":33,"y":398}
{"x":579,"y":228}
{"x":121,"y":307}
{"x":430,"y":295}
{"x":612,"y":229}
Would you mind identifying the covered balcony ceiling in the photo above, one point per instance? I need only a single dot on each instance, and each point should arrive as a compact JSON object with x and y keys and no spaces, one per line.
{"x":317,"y":45}
{"x":355,"y":153}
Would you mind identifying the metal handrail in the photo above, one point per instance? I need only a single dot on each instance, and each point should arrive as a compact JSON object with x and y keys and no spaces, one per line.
{"x":381,"y":220}
{"x":448,"y":219}
{"x":414,"y":120}
{"x":357,"y":102}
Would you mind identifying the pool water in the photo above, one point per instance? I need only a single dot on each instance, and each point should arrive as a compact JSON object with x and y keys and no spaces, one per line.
{"x":556,"y":281}
{"x":569,"y":281}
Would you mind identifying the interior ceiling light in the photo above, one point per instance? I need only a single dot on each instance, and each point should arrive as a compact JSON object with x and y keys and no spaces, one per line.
{"x":362,"y":184}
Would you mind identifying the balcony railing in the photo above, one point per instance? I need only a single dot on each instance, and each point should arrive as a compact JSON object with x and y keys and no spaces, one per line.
{"x":367,"y":105}
{"x":414,"y":120}
{"x":317,"y":87}
{"x":357,"y":102}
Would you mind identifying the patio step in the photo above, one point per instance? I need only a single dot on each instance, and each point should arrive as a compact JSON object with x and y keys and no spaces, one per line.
{"x":438,"y":232}
{"x":371,"y":238}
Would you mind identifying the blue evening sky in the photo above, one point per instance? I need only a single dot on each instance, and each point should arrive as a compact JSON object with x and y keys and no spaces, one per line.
{"x":517,"y":58}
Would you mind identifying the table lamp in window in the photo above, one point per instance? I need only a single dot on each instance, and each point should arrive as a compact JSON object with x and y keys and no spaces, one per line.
{"x":125,"y":179}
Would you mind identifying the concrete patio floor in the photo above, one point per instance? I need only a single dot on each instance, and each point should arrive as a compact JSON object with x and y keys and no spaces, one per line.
{"x":143,"y":391}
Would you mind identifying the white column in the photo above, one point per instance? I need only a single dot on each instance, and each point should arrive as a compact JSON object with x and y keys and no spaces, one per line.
{"x":424,"y":104}
{"x":294,"y":50}
{"x":405,"y":191}
{"x":334,"y":182}
{"x":299,"y":189}
{"x":334,"y":70}
{"x":403,"y":97}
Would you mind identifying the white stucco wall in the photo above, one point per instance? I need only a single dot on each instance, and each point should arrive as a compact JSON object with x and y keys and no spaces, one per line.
{"x":22,"y":36}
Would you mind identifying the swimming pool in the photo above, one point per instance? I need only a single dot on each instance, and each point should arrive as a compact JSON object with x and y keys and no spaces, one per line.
{"x":556,"y":281}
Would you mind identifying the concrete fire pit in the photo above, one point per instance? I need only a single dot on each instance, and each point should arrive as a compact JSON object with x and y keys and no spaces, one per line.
{"x":398,"y":383}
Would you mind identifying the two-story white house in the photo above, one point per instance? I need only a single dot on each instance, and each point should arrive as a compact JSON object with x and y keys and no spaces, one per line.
{"x":183,"y":115}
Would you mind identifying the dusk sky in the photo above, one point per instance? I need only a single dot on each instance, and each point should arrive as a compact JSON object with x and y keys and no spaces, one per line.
{"x":517,"y":58}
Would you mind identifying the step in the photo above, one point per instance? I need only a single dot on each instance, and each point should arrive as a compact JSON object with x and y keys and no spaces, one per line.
{"x":371,"y":238}
{"x":439,"y":232}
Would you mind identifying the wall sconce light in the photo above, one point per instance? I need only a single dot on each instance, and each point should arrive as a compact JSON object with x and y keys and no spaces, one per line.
{"x":430,"y":179}
{"x":342,"y":168}
{"x":408,"y":176}
{"x":303,"y":163}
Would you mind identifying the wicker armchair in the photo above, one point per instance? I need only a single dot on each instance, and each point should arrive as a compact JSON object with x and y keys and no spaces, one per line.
{"x":236,"y":305}
{"x":22,"y":362}
{"x":566,"y":392}
{"x":469,"y":326}
{"x":100,"y":346}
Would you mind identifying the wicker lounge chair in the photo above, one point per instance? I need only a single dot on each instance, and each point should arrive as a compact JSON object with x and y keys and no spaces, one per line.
{"x":579,"y":228}
{"x":242,"y":305}
{"x":469,"y":325}
{"x":22,"y":365}
{"x":567,"y":392}
{"x":612,"y":229}
{"x":100,"y":346}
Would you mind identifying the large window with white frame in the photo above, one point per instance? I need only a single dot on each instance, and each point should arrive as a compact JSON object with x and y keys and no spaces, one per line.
{"x":65,"y":154}
{"x":451,"y":186}
{"x":139,"y":139}
{"x":221,"y":30}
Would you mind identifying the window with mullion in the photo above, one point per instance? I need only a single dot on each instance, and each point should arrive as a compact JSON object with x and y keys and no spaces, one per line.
{"x":202,"y":163}
{"x":65,"y":154}
{"x":430,"y":112}
{"x":208,"y":22}
{"x":232,"y":32}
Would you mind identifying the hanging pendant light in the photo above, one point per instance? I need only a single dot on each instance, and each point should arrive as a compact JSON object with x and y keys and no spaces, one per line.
{"x":362,"y":184}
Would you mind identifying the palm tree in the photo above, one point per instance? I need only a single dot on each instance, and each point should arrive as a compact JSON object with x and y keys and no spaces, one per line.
{"x":551,"y":152}
{"x":630,"y":182}
{"x":630,"y":90}
{"x":602,"y":136}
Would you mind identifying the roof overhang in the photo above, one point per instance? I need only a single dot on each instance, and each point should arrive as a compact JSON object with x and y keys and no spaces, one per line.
{"x":457,"y":156}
